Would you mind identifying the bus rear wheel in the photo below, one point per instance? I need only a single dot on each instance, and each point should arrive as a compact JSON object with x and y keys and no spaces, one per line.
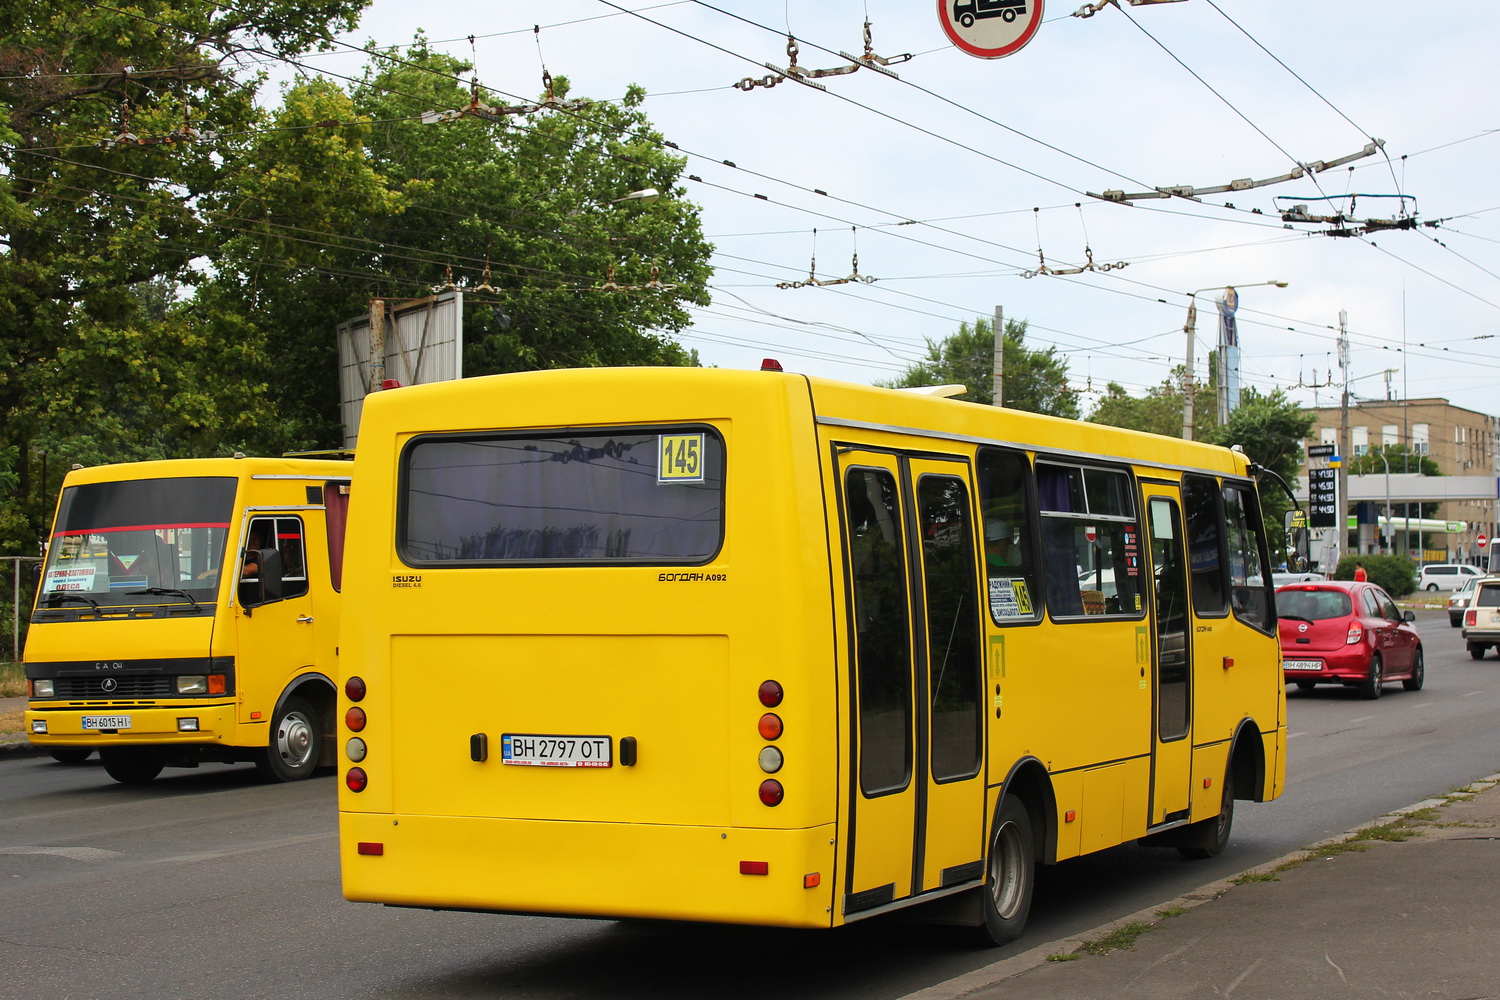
{"x":1208,"y":838}
{"x":1011,"y":873}
{"x":130,"y":765}
{"x":294,"y":744}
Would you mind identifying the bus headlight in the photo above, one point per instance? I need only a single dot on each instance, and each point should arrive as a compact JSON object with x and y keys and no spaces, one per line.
{"x":192,"y":684}
{"x":42,"y":688}
{"x":187,"y":725}
{"x":39,"y":727}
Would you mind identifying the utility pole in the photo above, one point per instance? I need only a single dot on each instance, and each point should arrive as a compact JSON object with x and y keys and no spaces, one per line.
{"x":999,"y":366}
{"x":1341,"y":526}
{"x":1187,"y":379}
{"x":377,"y":345}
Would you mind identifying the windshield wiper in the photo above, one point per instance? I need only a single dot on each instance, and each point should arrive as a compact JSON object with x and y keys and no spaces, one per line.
{"x":58,"y":598}
{"x":1295,"y":618}
{"x":162,"y":592}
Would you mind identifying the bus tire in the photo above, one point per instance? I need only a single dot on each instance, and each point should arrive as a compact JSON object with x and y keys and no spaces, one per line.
{"x":1208,"y":838}
{"x":1010,"y":869}
{"x":71,"y":755}
{"x":294,"y":744}
{"x":130,"y":765}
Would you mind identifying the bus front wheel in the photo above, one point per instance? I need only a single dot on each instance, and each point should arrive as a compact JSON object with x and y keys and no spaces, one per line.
{"x":1011,"y":873}
{"x":294,"y":744}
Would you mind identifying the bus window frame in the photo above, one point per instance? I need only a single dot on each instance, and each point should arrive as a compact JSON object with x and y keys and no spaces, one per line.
{"x":403,"y":473}
{"x":1035,"y":582}
{"x":1247,"y":488}
{"x":1133,"y":496}
{"x":1216,"y":486}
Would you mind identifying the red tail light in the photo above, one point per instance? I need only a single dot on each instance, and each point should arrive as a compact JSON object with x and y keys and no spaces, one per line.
{"x":771,"y":792}
{"x":354,"y":689}
{"x":770,"y":694}
{"x":356,"y":779}
{"x":1355,"y":634}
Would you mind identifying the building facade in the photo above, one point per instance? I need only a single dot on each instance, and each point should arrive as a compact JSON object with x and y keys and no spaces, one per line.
{"x":1460,"y":441}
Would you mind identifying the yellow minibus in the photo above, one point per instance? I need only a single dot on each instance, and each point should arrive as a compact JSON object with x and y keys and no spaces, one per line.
{"x":187,"y":611}
{"x":761,"y":648}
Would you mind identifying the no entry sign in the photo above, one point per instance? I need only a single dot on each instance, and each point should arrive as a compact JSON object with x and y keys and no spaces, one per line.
{"x":990,"y":29}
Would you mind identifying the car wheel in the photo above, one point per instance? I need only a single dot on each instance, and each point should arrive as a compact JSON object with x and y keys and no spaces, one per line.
{"x":1306,"y":685}
{"x":1370,"y":688}
{"x":1418,"y":672}
{"x":1432,"y":588}
{"x":1208,"y":838}
{"x":71,"y":755}
{"x":1477,"y":652}
{"x":1006,"y":896}
{"x":294,"y":745}
{"x":130,"y":765}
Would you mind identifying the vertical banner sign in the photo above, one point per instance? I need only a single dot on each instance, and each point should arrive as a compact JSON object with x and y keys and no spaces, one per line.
{"x":1322,"y":487}
{"x":990,"y":29}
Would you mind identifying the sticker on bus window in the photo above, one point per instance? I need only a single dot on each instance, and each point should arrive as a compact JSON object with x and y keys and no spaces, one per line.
{"x":679,"y":458}
{"x":1010,"y":598}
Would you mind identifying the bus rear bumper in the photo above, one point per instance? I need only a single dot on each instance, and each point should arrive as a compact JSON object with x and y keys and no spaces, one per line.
{"x":782,"y":878}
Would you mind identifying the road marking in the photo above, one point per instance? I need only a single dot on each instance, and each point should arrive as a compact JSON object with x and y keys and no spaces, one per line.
{"x":71,"y":853}
{"x":1293,"y":736}
{"x":1362,"y":718}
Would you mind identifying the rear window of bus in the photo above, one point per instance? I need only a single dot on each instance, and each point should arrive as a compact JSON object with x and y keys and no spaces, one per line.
{"x":627,"y":496}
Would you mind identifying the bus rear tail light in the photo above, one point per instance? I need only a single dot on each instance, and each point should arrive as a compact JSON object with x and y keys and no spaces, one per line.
{"x":755,"y":867}
{"x":354,"y":689}
{"x":771,"y":792}
{"x":356,"y":779}
{"x":770,"y":726}
{"x":770,"y":694}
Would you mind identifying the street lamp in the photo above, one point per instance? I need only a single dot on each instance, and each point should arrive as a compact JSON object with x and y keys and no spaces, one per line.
{"x":1189,"y":328}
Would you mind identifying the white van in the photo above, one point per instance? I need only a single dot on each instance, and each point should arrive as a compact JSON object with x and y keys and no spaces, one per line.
{"x":1446,"y":576}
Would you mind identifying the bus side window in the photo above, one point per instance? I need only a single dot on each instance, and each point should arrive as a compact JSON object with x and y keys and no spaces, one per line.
{"x":1205,"y":544}
{"x":882,"y":646}
{"x":1249,"y":580}
{"x":1009,"y":529}
{"x":1091,"y":542}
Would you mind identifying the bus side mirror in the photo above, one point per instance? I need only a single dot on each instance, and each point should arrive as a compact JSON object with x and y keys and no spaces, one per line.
{"x":265,"y":586}
{"x":1295,"y":523}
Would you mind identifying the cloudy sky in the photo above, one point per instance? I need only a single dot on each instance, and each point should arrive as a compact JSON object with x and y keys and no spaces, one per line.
{"x":955,"y":182}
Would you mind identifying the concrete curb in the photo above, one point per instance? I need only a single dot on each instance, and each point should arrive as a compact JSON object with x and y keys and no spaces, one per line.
{"x":1008,"y":968}
{"x":18,"y":747}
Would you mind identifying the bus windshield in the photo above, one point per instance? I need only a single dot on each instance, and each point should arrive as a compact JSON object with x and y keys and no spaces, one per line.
{"x":113,"y":541}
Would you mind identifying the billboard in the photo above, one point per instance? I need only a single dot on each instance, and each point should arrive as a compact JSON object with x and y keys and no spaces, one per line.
{"x":423,"y":343}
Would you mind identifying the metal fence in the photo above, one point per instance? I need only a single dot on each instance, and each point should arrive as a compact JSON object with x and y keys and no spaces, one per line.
{"x":16,"y":604}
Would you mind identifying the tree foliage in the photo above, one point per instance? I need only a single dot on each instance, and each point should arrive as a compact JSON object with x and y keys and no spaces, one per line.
{"x":1270,"y":428}
{"x":1159,"y":411}
{"x":177,"y":253}
{"x":1032,"y":379}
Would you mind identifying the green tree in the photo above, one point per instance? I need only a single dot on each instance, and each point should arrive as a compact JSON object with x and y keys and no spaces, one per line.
{"x":1270,"y":428}
{"x":104,"y":158}
{"x":1033,"y":379}
{"x":1159,"y":411}
{"x":1401,"y":459}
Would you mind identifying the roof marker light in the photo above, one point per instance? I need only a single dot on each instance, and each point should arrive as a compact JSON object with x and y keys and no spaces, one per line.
{"x":770,"y":365}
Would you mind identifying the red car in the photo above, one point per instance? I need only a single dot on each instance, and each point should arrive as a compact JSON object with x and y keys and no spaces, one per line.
{"x":1336,"y":632}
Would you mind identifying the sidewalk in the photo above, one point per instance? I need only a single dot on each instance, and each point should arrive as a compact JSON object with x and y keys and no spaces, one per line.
{"x":13,"y":745}
{"x":1414,"y":918}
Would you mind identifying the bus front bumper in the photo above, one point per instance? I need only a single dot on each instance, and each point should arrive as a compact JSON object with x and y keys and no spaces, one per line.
{"x":100,"y":725}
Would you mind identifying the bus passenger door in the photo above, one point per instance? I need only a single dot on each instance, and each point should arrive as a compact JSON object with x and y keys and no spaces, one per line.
{"x":1171,"y":627}
{"x":916,"y":795}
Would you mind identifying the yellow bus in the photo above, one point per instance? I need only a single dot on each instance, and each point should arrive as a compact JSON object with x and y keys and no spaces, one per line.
{"x":188,"y":611}
{"x":754,"y":647}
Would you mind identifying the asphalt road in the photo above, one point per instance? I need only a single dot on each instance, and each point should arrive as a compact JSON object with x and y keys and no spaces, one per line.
{"x":208,"y":883}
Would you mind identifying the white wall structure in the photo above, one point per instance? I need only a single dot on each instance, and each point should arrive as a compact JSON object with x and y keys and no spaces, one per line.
{"x":423,"y":343}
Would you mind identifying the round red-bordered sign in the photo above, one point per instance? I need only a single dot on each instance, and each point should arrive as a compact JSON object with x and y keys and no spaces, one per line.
{"x":990,"y":29}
